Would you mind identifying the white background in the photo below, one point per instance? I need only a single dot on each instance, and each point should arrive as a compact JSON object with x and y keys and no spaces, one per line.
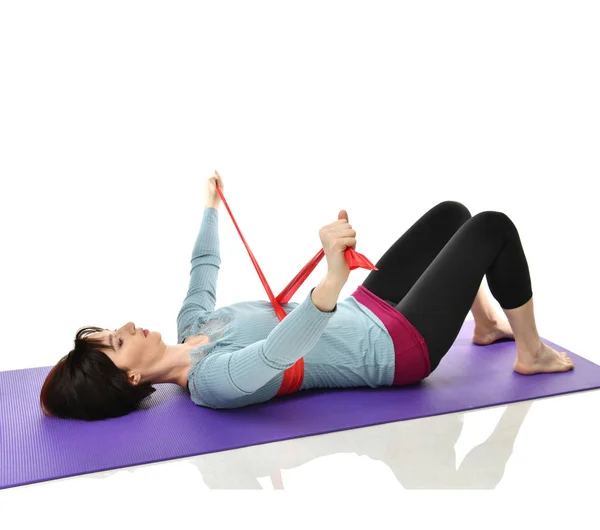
{"x":114,"y":114}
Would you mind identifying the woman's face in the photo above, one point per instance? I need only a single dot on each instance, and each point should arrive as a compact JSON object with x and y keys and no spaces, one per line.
{"x":131,"y":350}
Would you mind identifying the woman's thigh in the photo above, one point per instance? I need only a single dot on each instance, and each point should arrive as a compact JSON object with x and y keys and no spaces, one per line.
{"x":406,"y":260}
{"x":439,"y":301}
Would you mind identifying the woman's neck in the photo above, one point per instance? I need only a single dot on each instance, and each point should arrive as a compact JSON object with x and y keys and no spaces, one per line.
{"x":175,"y":364}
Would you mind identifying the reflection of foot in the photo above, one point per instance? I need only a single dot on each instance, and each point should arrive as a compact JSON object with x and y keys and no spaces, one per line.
{"x":545,"y":360}
{"x":484,"y":335}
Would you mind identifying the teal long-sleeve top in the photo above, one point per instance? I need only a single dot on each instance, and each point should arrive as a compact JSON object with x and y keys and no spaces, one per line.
{"x":249,"y":348}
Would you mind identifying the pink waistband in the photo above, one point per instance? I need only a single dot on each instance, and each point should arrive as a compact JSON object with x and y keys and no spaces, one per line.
{"x":410,"y":351}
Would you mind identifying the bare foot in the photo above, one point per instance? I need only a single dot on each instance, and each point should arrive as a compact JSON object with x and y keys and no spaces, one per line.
{"x":545,"y":360}
{"x":488,"y":334}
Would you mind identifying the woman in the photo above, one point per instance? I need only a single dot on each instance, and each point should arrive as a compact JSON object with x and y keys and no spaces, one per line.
{"x":393,"y":330}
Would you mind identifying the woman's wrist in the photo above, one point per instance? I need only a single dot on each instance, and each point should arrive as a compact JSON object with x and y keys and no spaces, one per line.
{"x":212,"y":205}
{"x":335,"y":281}
{"x":326,"y":294}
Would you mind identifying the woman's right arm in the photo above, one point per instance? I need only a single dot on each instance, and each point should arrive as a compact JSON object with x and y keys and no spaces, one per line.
{"x":326,"y":294}
{"x":222,"y":378}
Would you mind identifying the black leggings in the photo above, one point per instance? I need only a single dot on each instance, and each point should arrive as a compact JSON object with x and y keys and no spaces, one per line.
{"x":433,"y":272}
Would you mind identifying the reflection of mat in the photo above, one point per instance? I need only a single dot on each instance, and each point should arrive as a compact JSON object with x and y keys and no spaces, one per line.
{"x":35,"y":448}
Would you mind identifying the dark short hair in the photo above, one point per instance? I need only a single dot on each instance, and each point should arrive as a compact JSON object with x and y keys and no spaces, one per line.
{"x":85,"y":384}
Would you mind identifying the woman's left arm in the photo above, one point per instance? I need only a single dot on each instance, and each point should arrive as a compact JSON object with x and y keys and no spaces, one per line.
{"x":206,"y":260}
{"x":205,"y":264}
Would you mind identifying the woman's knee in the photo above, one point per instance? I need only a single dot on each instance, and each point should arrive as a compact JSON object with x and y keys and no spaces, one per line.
{"x":494,"y":221}
{"x":454,"y":211}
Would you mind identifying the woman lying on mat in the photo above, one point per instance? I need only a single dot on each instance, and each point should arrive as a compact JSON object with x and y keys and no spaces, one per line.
{"x":393,"y":330}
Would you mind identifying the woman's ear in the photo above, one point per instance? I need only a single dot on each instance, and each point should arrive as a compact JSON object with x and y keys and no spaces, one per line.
{"x":134,"y":378}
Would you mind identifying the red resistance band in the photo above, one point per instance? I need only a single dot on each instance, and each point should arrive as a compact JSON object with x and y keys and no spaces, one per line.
{"x":293,"y":376}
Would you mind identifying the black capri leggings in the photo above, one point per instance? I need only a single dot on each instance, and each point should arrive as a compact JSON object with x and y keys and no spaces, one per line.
{"x":433,"y":272}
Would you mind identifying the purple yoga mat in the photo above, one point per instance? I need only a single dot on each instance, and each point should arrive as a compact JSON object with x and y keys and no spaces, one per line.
{"x":35,"y":448}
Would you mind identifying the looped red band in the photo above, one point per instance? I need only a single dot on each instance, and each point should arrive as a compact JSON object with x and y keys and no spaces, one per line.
{"x":293,"y":376}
